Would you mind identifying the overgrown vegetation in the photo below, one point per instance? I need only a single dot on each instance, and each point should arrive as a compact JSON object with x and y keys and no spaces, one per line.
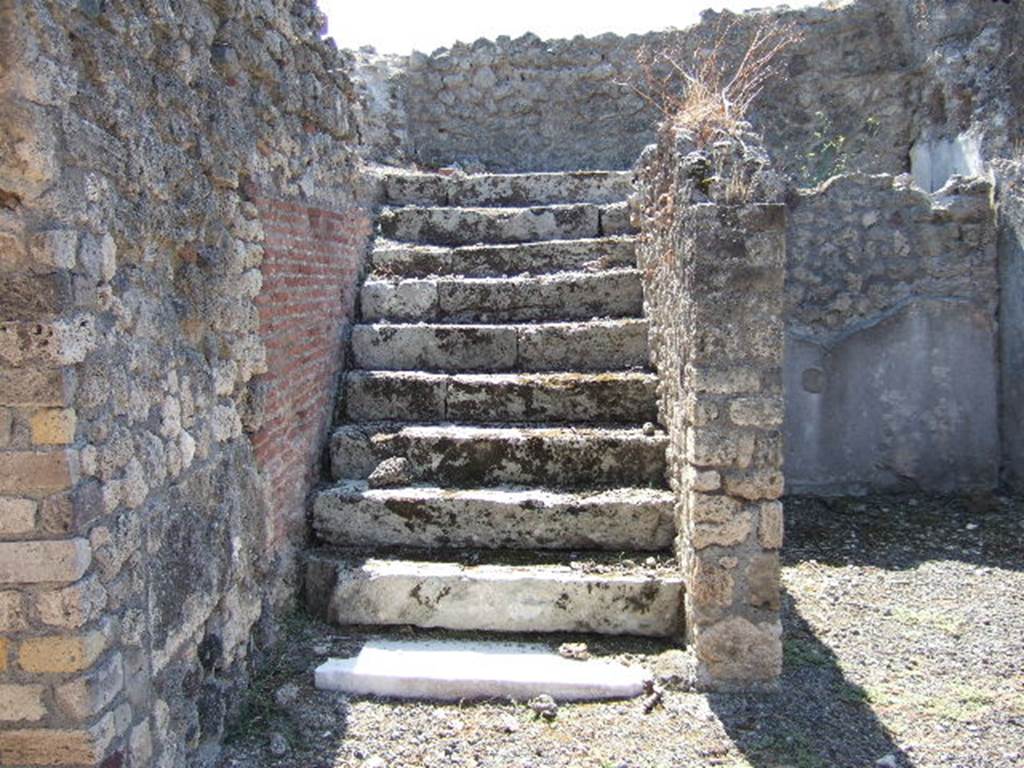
{"x":707,"y":91}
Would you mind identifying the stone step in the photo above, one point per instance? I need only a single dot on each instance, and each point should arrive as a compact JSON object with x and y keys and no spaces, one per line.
{"x":599,"y":345}
{"x":610,"y":397}
{"x":351,"y":514}
{"x":473,"y":456}
{"x":464,"y":226}
{"x":461,"y":670}
{"x":560,"y":296}
{"x":498,"y":597}
{"x":391,"y":258}
{"x":513,"y":189}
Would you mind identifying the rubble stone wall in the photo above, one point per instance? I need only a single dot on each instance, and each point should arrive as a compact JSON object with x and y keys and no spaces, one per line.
{"x":891,"y":296}
{"x":880,"y":86}
{"x":179,"y":241}
{"x":713,"y":278}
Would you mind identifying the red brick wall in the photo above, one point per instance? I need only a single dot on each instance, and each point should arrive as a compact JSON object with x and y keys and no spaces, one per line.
{"x":311,"y":266}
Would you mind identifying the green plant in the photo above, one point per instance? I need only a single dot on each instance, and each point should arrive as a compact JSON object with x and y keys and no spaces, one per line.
{"x":827,"y":156}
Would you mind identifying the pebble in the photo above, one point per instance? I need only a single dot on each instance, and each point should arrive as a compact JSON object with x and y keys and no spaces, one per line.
{"x":286,"y":695}
{"x":650,"y":430}
{"x":578,"y":651}
{"x":509,"y":724}
{"x":544,"y":706}
{"x":889,"y":761}
{"x":278,"y":745}
{"x":374,"y":762}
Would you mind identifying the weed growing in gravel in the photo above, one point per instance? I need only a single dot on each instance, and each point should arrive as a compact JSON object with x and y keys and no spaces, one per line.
{"x":260,"y":713}
{"x":802,"y":653}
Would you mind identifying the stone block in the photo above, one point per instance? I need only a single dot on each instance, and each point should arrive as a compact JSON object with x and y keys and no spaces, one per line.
{"x":21,"y":703}
{"x":456,"y":670}
{"x":725,"y":534}
{"x":770,"y":525}
{"x":47,"y":746}
{"x":3,"y":654}
{"x":755,"y":484}
{"x":31,"y":386}
{"x":72,"y":606}
{"x":36,"y":473}
{"x":32,"y":562}
{"x":12,"y":612}
{"x":54,"y":249}
{"x":762,"y":577}
{"x":763,"y":412}
{"x":738,"y":651}
{"x":706,"y":508}
{"x":6,"y":426}
{"x":397,"y":301}
{"x":620,"y":519}
{"x":91,"y":693}
{"x":703,"y":480}
{"x":710,"y":585}
{"x":61,"y":653}
{"x":140,"y":745}
{"x":456,"y":226}
{"x":709,"y":447}
{"x":53,"y":426}
{"x":377,"y":395}
{"x":723,"y":381}
{"x":17,"y":516}
{"x":33,"y":297}
{"x":353,"y":453}
{"x":544,"y":298}
{"x":602,"y":345}
{"x":434,"y":347}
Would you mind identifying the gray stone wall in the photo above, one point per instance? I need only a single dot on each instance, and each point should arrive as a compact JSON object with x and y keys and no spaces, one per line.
{"x":1010,"y":200}
{"x":874,"y":86}
{"x":891,"y":298}
{"x":713,"y":270}
{"x":151,"y":156}
{"x":529,"y":104}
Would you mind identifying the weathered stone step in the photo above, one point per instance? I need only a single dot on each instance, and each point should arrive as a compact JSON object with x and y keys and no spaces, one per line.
{"x":514,"y":189}
{"x":494,"y":597}
{"x":350,"y":514}
{"x":464,"y":226}
{"x":459,"y":670}
{"x":390,"y":258}
{"x":474,"y":456}
{"x":561,"y":296}
{"x":615,"y":396}
{"x":599,"y":345}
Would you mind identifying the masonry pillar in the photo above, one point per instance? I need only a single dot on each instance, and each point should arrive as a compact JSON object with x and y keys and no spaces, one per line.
{"x":713,"y":257}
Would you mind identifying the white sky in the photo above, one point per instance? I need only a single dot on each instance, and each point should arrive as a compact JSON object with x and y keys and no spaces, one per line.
{"x":399,"y":26}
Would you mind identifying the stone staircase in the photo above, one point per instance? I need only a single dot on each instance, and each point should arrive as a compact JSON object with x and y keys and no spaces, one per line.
{"x":499,"y":468}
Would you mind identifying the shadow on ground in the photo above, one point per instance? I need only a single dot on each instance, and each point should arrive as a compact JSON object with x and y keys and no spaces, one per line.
{"x":819,"y":717}
{"x":816,"y":719}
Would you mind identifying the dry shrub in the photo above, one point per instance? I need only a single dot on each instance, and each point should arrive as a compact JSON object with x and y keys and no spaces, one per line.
{"x":705,"y":90}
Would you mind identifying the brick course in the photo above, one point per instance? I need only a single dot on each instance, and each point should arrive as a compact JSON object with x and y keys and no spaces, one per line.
{"x":311,"y":264}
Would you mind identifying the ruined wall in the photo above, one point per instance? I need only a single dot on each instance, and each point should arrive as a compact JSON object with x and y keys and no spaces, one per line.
{"x":891,"y":297}
{"x":876,"y":85}
{"x":713,"y":270}
{"x":179,"y":238}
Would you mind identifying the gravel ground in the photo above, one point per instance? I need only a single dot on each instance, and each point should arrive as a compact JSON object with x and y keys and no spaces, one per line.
{"x":904,"y":646}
